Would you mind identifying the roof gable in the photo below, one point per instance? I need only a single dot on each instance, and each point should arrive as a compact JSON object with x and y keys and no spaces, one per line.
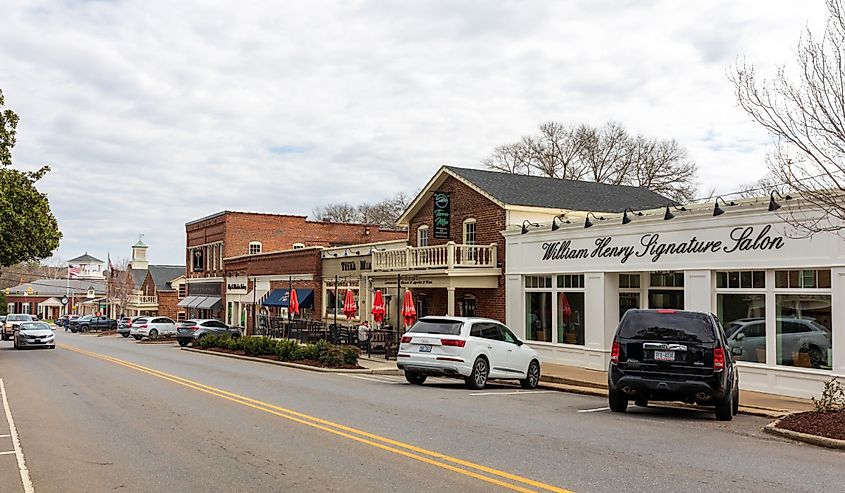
{"x":163,"y":274}
{"x":85,"y":259}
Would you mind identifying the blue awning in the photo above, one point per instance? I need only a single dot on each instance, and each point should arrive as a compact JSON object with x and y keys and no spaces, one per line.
{"x":281,"y":298}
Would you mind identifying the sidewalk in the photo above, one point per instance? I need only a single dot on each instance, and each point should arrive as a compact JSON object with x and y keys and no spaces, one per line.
{"x":594,"y":382}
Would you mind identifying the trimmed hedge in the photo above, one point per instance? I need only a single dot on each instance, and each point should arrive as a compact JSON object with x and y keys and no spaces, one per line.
{"x":285,"y":349}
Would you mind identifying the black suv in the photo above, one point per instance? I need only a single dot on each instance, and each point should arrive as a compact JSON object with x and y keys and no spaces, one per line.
{"x":672,"y":355}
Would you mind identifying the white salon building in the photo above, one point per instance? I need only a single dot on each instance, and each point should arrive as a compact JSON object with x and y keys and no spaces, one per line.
{"x":780,"y":297}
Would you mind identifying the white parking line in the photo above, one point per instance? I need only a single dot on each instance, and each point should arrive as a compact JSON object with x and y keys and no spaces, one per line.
{"x":5,"y":436}
{"x":371,"y":379}
{"x":7,"y":453}
{"x":16,"y":443}
{"x":594,"y":410}
{"x":517,"y":392}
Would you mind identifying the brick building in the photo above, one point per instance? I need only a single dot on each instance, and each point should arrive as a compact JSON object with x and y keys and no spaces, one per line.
{"x":214,"y":241}
{"x":454,"y":263}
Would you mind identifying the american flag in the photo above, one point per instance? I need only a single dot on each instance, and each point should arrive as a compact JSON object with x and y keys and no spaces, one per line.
{"x":73,"y":271}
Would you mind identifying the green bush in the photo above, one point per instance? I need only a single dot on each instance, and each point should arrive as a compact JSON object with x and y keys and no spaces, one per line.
{"x":285,"y":349}
{"x":832,"y":398}
{"x":322,"y":347}
{"x":333,"y":357}
{"x":350,"y":355}
{"x":208,"y":341}
{"x":255,"y":346}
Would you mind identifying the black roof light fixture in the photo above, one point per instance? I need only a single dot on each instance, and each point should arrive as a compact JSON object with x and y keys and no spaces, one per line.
{"x":625,"y":218}
{"x":527,"y":223}
{"x":588,"y":223}
{"x":718,"y":211}
{"x":773,"y":206}
{"x":668,"y":214}
{"x":563,"y":220}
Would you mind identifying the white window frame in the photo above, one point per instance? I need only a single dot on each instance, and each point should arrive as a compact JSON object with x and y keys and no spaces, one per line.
{"x":298,"y":246}
{"x":423,"y":229}
{"x":253,"y":244}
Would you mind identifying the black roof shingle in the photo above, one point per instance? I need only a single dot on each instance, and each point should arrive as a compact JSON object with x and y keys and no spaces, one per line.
{"x":554,"y":193}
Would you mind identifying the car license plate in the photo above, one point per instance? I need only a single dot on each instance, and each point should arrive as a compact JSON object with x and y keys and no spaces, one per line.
{"x":425,"y":348}
{"x":664,"y":355}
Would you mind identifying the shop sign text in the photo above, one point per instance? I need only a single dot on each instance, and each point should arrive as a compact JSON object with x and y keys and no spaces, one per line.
{"x":742,"y":239}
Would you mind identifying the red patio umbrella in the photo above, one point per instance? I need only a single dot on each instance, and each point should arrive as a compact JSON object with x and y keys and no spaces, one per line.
{"x":565,"y":309}
{"x":349,"y":305}
{"x":409,"y":312}
{"x":293,"y":304}
{"x":378,"y":308}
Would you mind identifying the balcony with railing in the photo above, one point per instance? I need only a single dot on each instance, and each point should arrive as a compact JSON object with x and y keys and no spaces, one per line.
{"x":143,"y":300}
{"x":449,"y":256}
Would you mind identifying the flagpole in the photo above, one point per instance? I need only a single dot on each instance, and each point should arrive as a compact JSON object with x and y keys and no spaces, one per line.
{"x":67,"y":289}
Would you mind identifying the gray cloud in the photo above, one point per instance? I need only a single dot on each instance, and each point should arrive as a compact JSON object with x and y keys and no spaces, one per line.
{"x":155,"y":113}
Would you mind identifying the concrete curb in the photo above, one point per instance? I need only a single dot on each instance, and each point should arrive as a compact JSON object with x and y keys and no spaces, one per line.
{"x":365,"y":371}
{"x":816,"y":440}
{"x":156,"y":341}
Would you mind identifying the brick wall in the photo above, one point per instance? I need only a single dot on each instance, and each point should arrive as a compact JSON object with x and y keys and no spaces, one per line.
{"x":167,"y":301}
{"x":490,"y":219}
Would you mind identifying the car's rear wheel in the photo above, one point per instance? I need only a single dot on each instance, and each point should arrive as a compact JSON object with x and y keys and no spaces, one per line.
{"x":153,"y":334}
{"x":532,"y":377}
{"x":125,"y":334}
{"x":478,"y":378}
{"x":183,"y":343}
{"x":617,"y":401}
{"x":84,"y":328}
{"x":725,"y":408}
{"x":137,"y":338}
{"x":235,"y":335}
{"x":414,"y":378}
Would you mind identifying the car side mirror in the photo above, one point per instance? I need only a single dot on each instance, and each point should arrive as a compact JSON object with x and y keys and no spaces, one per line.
{"x":736,"y":351}
{"x":740,"y":336}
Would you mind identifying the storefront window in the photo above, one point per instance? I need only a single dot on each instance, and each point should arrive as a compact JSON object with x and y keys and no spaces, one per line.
{"x":804,"y":336}
{"x":805,"y":279}
{"x":629,"y":281}
{"x":538,"y":282}
{"x":628,"y":301}
{"x":570,"y":318}
{"x":538,"y":316}
{"x":746,"y":279}
{"x":743,"y":317}
{"x":667,"y":279}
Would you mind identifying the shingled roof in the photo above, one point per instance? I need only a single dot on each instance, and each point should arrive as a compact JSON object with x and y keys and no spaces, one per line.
{"x":163,"y":274}
{"x":554,"y":193}
{"x":85,"y":259}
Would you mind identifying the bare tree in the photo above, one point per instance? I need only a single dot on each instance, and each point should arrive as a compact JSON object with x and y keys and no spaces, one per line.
{"x":608,"y":154}
{"x":337,"y":213}
{"x":386,"y":212}
{"x":807,"y":116}
{"x":760,"y":187}
{"x":120,"y":284}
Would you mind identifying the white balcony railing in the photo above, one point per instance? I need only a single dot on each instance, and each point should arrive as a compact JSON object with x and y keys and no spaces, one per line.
{"x":143,"y":300}
{"x":448,"y":256}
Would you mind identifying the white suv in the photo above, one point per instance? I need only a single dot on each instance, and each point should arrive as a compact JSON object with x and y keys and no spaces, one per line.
{"x":475,"y":349}
{"x":152,"y":327}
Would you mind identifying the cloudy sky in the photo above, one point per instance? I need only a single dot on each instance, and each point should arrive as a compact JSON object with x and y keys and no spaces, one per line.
{"x":153,"y":113}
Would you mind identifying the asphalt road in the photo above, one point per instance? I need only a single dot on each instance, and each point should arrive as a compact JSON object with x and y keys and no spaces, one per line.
{"x":103,"y":414}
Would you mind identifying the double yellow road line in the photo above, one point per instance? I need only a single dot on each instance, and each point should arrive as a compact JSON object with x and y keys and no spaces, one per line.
{"x":483,"y":473}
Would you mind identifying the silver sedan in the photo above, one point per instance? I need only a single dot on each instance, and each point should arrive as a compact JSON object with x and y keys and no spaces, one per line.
{"x":34,"y":334}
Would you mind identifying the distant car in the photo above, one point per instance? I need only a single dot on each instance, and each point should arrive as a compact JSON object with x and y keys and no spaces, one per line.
{"x":34,"y":334}
{"x":475,"y":349}
{"x":672,"y":355}
{"x":2,"y":319}
{"x":152,"y":327}
{"x":92,"y":322}
{"x":124,"y":325}
{"x":13,"y":320}
{"x":190,"y":331}
{"x":797,"y":335}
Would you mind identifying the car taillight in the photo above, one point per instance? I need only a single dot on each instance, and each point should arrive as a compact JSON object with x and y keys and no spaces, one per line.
{"x":666,"y":311}
{"x":718,"y":359}
{"x":453,"y":342}
{"x":614,"y":352}
{"x":142,"y":326}
{"x":406,"y":339}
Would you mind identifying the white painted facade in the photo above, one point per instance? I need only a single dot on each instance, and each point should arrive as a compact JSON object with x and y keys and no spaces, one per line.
{"x":747,"y":240}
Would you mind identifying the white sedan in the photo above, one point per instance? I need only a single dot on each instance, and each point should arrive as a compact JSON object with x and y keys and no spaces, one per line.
{"x":152,"y":327}
{"x":475,"y":349}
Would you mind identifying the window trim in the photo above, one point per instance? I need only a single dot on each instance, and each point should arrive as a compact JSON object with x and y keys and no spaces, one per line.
{"x":420,"y":230}
{"x":252,"y":244}
{"x":468,"y":221}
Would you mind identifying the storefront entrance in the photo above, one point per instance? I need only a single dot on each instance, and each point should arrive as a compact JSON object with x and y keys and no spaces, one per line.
{"x":666,"y":290}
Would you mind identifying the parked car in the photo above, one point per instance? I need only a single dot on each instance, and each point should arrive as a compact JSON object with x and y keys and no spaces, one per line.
{"x":475,"y":349}
{"x":92,"y":322}
{"x":152,"y":327}
{"x":672,"y":355}
{"x":124,"y":325}
{"x":2,"y":319}
{"x":13,"y":320}
{"x":747,"y":337}
{"x":190,"y":331}
{"x":34,"y":334}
